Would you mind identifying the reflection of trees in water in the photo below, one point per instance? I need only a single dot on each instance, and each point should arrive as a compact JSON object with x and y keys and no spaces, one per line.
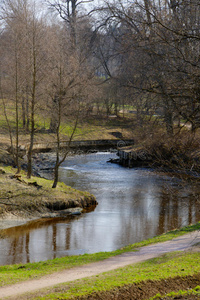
{"x":178,"y":207}
{"x":12,"y":250}
{"x":54,"y":236}
{"x":66,"y":236}
{"x":19,"y":244}
{"x":141,"y":214}
{"x":168,"y":214}
{"x":193,"y":209}
{"x":134,"y":221}
{"x":16,"y":250}
{"x":171,"y":207}
{"x":27,"y":248}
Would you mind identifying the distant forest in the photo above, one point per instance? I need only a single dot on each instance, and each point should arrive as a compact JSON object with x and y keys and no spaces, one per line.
{"x":70,"y":58}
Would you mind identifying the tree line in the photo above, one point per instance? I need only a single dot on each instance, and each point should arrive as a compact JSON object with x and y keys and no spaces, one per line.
{"x":75,"y":57}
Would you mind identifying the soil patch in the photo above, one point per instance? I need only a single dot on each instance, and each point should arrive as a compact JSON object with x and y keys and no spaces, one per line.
{"x":145,"y":290}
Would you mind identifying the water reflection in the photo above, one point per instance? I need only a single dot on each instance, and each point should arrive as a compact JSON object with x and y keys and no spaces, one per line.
{"x":134,"y":204}
{"x":36,"y":241}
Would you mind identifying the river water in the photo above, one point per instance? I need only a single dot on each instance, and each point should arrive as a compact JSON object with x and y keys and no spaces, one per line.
{"x":133,"y":205}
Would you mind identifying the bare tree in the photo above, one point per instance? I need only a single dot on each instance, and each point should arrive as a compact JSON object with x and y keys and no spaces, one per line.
{"x":24,"y":61}
{"x":13,"y":41}
{"x":37,"y":60}
{"x":67,"y":89}
{"x":70,"y":11}
{"x":159,"y":49}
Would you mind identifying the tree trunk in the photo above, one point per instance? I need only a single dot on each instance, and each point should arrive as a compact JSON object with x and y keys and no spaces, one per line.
{"x":116,"y":109}
{"x":53,"y":125}
{"x":73,"y":24}
{"x":16,"y":109}
{"x":169,"y":122}
{"x":33,"y":97}
{"x":146,"y":4}
{"x":30,"y":150}
{"x":23,"y":113}
{"x":8,"y":124}
{"x":27,"y":114}
{"x":55,"y":182}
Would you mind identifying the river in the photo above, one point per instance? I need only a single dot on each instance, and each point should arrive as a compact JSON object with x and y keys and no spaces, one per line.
{"x":133,"y":205}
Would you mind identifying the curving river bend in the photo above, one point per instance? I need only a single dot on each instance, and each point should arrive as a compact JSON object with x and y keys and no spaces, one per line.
{"x":134,"y":204}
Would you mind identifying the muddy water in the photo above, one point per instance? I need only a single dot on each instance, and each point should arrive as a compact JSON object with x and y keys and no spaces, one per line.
{"x":134,"y":204}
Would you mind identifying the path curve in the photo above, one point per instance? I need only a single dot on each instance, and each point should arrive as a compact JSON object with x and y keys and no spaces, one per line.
{"x":182,"y":243}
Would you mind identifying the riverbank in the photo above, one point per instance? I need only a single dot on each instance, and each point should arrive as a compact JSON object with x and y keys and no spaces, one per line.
{"x":22,"y":198}
{"x":169,"y":272}
{"x":179,"y":154}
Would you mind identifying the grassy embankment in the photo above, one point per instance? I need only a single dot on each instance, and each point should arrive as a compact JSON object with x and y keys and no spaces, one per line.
{"x":30,"y":198}
{"x":133,"y":278}
{"x":181,"y":294}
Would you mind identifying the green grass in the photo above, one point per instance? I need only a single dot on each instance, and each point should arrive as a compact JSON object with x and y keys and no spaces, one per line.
{"x":35,"y":197}
{"x":164,"y":267}
{"x":15,"y":273}
{"x":195,"y":292}
{"x":62,"y":189}
{"x":91,"y":129}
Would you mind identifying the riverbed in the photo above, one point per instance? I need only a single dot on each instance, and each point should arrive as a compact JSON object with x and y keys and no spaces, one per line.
{"x":133,"y":205}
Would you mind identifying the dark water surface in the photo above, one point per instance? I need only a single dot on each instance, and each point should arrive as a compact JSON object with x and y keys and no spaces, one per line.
{"x":134,"y":204}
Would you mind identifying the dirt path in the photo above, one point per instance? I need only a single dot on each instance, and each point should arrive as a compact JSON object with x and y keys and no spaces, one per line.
{"x":178,"y":244}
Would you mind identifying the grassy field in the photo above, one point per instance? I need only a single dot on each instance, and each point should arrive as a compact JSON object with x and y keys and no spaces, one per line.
{"x":91,"y":128}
